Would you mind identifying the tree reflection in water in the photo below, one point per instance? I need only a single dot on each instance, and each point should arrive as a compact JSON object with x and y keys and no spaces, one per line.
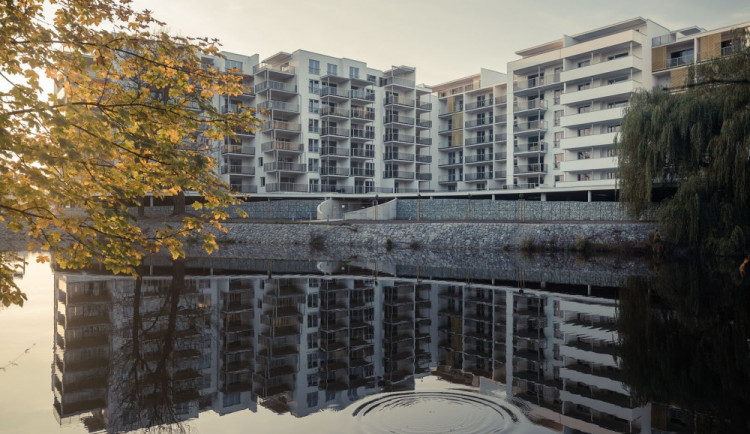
{"x":684,"y":342}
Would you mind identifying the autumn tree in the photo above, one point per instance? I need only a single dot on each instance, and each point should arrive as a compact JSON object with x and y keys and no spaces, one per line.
{"x":697,"y":141}
{"x":132,"y":115}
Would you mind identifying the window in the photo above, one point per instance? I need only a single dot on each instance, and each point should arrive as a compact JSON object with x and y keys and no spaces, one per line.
{"x":559,"y":158}
{"x":312,"y":360}
{"x":558,"y":138}
{"x":558,"y":116}
{"x":613,"y":128}
{"x":313,"y":125}
{"x":312,"y":399}
{"x":233,"y":64}
{"x":559,"y":178}
{"x":262,"y":181}
{"x":312,"y":164}
{"x":617,"y":79}
{"x":312,"y":338}
{"x":584,"y":155}
{"x":312,"y":300}
{"x":583,"y":63}
{"x":584,"y":132}
{"x":556,"y":98}
{"x":584,"y":86}
{"x":314,"y":67}
{"x":371,"y":78}
{"x":584,"y":109}
{"x":330,"y":395}
{"x":312,"y":380}
{"x":313,"y":106}
{"x":314,"y":185}
{"x":584,"y":177}
{"x":332,"y":69}
{"x":617,"y":56}
{"x":260,"y":161}
{"x":353,"y":72}
{"x":313,"y":145}
{"x":313,"y":86}
{"x":616,"y":104}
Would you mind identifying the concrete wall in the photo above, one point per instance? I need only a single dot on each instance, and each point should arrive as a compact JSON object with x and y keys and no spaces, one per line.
{"x":292,"y":209}
{"x":384,"y":211}
{"x":515,"y":210}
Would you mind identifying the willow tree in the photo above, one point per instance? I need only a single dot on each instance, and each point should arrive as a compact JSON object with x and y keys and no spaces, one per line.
{"x":697,"y":141}
{"x":132,"y":115}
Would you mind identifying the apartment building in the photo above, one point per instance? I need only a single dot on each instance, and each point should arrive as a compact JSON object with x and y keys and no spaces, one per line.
{"x":334,"y":126}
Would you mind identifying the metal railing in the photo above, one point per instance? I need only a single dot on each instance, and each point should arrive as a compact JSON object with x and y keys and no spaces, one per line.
{"x":275,"y":85}
{"x":331,"y":91}
{"x":286,"y":69}
{"x":361,"y":94}
{"x":479,"y":104}
{"x":237,"y":169}
{"x":331,"y":131}
{"x":282,"y":146}
{"x":334,"y":171}
{"x":284,"y":166}
{"x":531,"y":168}
{"x":685,"y":59}
{"x":332,"y":150}
{"x":363,"y":153}
{"x":477,"y":176}
{"x":530,"y":126}
{"x":238,"y":149}
{"x":427,"y":141}
{"x":424,"y":158}
{"x":399,"y":101}
{"x":279,"y":105}
{"x":282,"y":125}
{"x":424,"y":176}
{"x":239,"y":188}
{"x":398,"y":138}
{"x":286,"y":187}
{"x":330,"y":111}
{"x":398,"y":120}
{"x":363,"y":134}
{"x":398,"y":156}
{"x":478,"y":158}
{"x":477,"y":140}
{"x":531,"y":147}
{"x":398,"y":174}
{"x":363,"y":114}
{"x":361,"y":171}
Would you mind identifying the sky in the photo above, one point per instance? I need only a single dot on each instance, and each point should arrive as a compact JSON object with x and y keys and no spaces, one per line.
{"x":443,"y":39}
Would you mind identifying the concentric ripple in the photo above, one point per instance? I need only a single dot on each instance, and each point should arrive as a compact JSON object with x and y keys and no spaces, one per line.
{"x":433,"y":412}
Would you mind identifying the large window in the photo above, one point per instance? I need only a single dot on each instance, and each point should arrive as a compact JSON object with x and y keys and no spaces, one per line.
{"x":314,"y":67}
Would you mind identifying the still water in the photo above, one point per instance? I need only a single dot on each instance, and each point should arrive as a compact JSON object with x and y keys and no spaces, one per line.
{"x":519,"y":345}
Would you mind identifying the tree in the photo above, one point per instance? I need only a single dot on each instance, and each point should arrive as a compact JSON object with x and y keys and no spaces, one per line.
{"x":134,"y":117}
{"x":698,"y":141}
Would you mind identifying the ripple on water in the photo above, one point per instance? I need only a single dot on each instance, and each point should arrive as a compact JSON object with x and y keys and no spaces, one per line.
{"x":433,"y":412}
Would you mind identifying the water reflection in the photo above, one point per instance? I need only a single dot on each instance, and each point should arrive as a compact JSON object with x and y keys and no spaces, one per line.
{"x":300,"y":336}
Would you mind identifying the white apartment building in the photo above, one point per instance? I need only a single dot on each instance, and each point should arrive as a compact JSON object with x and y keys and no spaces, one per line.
{"x":334,"y":126}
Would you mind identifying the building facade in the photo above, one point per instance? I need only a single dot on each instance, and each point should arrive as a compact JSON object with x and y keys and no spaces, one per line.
{"x":334,"y":126}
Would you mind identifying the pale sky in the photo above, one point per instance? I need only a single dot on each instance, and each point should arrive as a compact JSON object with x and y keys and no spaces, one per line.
{"x":443,"y":39}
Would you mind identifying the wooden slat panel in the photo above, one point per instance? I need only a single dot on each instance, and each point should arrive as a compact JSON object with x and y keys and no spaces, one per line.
{"x":710,"y":46}
{"x":659,"y":58}
{"x":678,"y":78}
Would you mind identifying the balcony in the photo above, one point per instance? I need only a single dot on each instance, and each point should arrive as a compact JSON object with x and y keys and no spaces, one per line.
{"x":362,"y":114}
{"x":477,"y":123}
{"x":336,"y":132}
{"x":244,"y":132}
{"x":426,"y":106}
{"x":334,"y":151}
{"x":398,"y":138}
{"x":237,"y":169}
{"x":525,"y":105}
{"x":500,"y":175}
{"x":238,"y":150}
{"x":242,"y":188}
{"x":451,"y":162}
{"x":450,"y":179}
{"x":276,"y":87}
{"x":424,"y":158}
{"x":424,"y":176}
{"x":334,"y":171}
{"x":528,"y":169}
{"x":479,"y":140}
{"x":684,"y":60}
{"x":280,"y":70}
{"x":398,"y":174}
{"x":282,"y":146}
{"x":531,"y":127}
{"x":450,"y":111}
{"x":362,"y":135}
{"x":477,"y":176}
{"x":333,"y":94}
{"x":424,"y":141}
{"x":403,"y":120}
{"x":479,"y":158}
{"x":536,"y":82}
{"x":530,"y":148}
{"x":284,"y":166}
{"x":398,"y":156}
{"x":399,"y":101}
{"x":363,"y":172}
{"x":334,"y":112}
{"x":400,"y":82}
{"x":605,"y":67}
{"x":280,"y":106}
{"x":282,"y":126}
{"x":362,"y":153}
{"x":362,"y":95}
{"x":479,"y":105}
{"x":286,"y":187}
{"x":424,"y":124}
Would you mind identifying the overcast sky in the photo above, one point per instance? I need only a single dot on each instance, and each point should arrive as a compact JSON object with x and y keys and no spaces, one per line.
{"x":443,"y":39}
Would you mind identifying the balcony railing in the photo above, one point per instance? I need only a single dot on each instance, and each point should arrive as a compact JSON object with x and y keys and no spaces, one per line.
{"x":363,"y":114}
{"x":398,"y":156}
{"x":239,"y":169}
{"x":479,"y":104}
{"x":531,"y":147}
{"x":400,"y":82}
{"x":332,"y":91}
{"x":398,"y":120}
{"x":424,"y":176}
{"x":239,"y":188}
{"x":330,"y":131}
{"x":685,"y":59}
{"x":424,"y":158}
{"x":424,"y":124}
{"x":332,"y":150}
{"x":399,"y":101}
{"x":530,"y":126}
{"x":477,"y":176}
{"x":286,"y":69}
{"x":281,"y":125}
{"x":279,"y":105}
{"x":526,"y":104}
{"x":427,"y":106}
{"x":531,"y":168}
{"x":286,"y":187}
{"x":363,"y":153}
{"x":398,"y":174}
{"x":363,"y":134}
{"x":478,"y":158}
{"x":477,"y":123}
{"x":450,"y":178}
{"x":427,"y":141}
{"x":398,"y":138}
{"x":451,"y":162}
{"x":275,"y":85}
{"x":362,"y":171}
{"x":361,"y":94}
{"x":238,"y":149}
{"x":284,"y":166}
{"x":282,"y":146}
{"x":530,"y":83}
{"x":330,"y":111}
{"x":477,"y":140}
{"x":334,"y":171}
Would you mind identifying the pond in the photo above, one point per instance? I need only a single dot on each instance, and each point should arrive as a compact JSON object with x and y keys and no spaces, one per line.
{"x":430,"y":342}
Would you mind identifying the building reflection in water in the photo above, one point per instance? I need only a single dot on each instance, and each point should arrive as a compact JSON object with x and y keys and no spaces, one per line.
{"x":132,"y":354}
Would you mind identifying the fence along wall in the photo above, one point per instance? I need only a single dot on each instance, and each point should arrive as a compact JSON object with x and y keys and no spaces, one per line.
{"x":516,"y":210}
